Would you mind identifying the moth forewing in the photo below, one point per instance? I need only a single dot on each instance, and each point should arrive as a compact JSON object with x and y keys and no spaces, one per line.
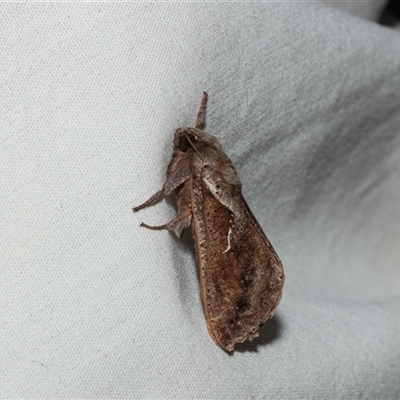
{"x":241,"y":276}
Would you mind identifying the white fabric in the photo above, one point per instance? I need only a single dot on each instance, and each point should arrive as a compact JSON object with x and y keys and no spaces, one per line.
{"x":304,"y":99}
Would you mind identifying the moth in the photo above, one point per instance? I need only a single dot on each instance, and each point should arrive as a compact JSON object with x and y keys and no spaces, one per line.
{"x":241,"y":276}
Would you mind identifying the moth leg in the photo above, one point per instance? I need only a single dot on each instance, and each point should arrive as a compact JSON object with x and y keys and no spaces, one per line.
{"x":152,"y":200}
{"x":184,"y":217}
{"x":177,"y":225}
{"x":172,"y":182}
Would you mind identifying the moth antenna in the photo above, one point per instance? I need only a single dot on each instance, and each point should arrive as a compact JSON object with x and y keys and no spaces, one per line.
{"x":193,"y":146}
{"x":202,"y":112}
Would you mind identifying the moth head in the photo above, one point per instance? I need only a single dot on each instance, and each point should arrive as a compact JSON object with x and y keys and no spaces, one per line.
{"x":185,"y":139}
{"x":194,"y":139}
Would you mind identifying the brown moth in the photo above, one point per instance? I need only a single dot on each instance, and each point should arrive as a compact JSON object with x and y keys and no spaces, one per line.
{"x":241,"y":276}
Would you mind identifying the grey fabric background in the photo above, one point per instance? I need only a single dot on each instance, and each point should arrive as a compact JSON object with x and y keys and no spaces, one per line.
{"x":369,"y":10}
{"x":304,"y":99}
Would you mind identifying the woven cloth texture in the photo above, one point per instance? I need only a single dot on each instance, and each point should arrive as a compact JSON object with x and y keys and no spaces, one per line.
{"x":305,"y":100}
